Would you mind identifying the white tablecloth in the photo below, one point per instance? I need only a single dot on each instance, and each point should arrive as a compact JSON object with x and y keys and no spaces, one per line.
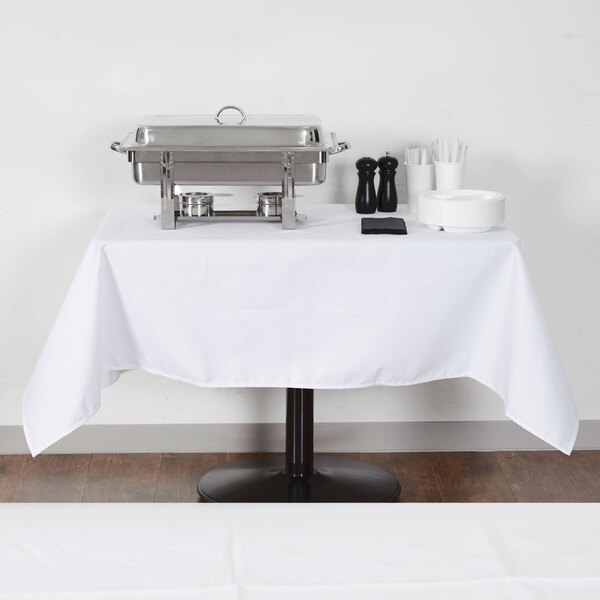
{"x":322,"y":306}
{"x":300,"y":551}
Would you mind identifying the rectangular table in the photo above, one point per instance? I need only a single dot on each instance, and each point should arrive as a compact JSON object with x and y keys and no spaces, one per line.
{"x":322,"y":306}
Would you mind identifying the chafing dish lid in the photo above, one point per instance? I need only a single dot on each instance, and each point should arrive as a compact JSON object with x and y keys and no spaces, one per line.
{"x":228,"y":132}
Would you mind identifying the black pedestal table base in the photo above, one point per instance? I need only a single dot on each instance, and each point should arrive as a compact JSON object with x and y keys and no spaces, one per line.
{"x":299,"y":476}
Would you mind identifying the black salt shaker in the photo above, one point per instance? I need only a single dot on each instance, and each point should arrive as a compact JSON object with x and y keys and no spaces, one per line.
{"x":387,"y":197}
{"x":366,"y":198}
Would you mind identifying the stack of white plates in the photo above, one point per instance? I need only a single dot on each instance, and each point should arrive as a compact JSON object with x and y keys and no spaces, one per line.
{"x":461,"y":211}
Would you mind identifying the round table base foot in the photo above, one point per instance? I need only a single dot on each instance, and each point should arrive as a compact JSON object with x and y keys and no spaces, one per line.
{"x":263,"y":479}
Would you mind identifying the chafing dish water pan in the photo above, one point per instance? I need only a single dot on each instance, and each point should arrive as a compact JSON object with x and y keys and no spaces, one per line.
{"x":286,"y":150}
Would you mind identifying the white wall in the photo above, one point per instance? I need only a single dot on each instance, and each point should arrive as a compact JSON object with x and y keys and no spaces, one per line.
{"x":518,"y":79}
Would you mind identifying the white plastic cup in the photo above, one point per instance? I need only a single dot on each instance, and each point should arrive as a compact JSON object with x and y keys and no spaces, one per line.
{"x":419,"y":178}
{"x":449,"y":175}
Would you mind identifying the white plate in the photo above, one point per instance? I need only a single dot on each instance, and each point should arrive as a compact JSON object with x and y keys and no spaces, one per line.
{"x":461,"y":211}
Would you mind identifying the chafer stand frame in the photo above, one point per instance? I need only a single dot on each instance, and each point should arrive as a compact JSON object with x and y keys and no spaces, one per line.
{"x":299,"y":476}
{"x":169,"y":202}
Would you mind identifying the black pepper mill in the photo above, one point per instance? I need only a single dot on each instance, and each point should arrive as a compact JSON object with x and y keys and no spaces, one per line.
{"x":366,"y":199}
{"x":387,"y":197}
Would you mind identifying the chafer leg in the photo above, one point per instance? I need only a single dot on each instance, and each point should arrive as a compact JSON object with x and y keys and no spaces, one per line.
{"x":288,"y":194}
{"x":167,"y":195}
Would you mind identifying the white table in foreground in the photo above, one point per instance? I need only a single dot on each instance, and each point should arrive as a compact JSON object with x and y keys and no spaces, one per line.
{"x":321,"y":306}
{"x":443,"y":551}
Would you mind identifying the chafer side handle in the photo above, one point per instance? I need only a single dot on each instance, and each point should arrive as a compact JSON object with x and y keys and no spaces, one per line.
{"x":337,"y":147}
{"x":116,"y":146}
{"x":340,"y":147}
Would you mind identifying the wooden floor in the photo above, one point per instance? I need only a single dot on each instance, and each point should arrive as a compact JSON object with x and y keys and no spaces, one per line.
{"x":424,"y":476}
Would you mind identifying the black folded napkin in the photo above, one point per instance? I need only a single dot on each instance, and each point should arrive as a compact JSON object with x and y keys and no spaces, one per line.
{"x":393,"y":225}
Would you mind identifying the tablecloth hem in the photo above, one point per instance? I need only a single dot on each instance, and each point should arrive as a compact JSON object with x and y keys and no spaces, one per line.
{"x":36,"y":449}
{"x":566,"y":449}
{"x":304,"y":385}
{"x":113,"y":374}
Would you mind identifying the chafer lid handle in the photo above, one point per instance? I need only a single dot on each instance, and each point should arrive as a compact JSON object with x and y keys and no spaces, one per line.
{"x":234,"y":108}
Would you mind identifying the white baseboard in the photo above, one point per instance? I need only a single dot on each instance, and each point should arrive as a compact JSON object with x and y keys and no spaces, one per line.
{"x":269,"y":437}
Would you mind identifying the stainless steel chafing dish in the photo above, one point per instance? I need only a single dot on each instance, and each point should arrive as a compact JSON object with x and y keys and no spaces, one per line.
{"x":286,"y":150}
